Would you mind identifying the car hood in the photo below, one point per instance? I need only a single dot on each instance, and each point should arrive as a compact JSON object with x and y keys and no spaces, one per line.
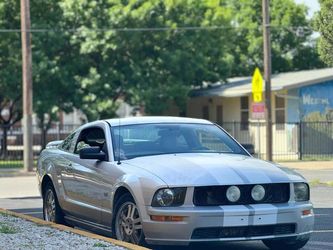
{"x":213,"y":169}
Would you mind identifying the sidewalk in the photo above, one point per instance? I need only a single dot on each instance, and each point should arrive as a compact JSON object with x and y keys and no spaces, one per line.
{"x":309,"y":165}
{"x":313,"y":171}
{"x":15,"y":172}
{"x":19,"y":186}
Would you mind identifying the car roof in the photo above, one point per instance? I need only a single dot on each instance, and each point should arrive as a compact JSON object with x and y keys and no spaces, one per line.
{"x":154,"y":119}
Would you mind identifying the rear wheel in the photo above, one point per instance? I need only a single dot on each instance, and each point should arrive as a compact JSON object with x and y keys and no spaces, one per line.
{"x":51,"y":209}
{"x":127,"y":224}
{"x":291,"y":243}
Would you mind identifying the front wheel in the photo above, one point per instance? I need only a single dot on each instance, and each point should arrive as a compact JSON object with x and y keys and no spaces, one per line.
{"x":292,"y":243}
{"x":127,"y":224}
{"x":51,"y":209}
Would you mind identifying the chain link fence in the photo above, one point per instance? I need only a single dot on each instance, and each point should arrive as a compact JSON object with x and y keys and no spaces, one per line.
{"x":291,"y":141}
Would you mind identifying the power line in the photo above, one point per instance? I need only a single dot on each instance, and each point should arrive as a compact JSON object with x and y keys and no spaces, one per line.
{"x":153,"y":29}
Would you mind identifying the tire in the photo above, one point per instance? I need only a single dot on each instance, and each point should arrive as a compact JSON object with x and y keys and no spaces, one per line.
{"x":126,"y":222}
{"x":291,"y":243}
{"x":51,"y":210}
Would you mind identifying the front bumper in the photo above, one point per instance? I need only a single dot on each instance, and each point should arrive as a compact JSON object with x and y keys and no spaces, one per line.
{"x":238,"y":216}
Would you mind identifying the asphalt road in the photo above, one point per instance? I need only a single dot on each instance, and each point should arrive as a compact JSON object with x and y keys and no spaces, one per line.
{"x":322,"y":237}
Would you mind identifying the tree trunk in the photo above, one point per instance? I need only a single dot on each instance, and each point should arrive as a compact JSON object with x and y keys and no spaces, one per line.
{"x":4,"y":151}
{"x":44,"y":128}
{"x":43,"y":137}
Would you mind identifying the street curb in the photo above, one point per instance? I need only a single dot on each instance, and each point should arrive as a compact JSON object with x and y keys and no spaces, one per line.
{"x":73,"y":230}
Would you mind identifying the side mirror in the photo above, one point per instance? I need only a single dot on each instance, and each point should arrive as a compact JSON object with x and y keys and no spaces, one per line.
{"x":249,"y":148}
{"x":92,"y":153}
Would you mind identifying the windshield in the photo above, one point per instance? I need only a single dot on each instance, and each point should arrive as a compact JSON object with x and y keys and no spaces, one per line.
{"x":130,"y":141}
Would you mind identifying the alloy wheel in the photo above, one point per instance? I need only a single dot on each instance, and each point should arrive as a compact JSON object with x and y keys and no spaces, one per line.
{"x":49,"y":206}
{"x":128,"y":223}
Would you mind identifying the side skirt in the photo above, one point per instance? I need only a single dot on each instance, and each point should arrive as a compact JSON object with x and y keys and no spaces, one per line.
{"x":98,"y":228}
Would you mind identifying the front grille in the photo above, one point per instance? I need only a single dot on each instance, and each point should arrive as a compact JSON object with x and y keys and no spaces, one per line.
{"x":216,"y":195}
{"x":243,"y":231}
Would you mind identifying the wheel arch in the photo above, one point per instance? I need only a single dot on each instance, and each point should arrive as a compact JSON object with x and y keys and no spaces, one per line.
{"x":141,"y":188}
{"x":46,"y":180}
{"x":120,"y":191}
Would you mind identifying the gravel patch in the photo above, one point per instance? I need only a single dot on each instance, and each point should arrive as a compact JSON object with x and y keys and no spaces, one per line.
{"x":17,"y":233}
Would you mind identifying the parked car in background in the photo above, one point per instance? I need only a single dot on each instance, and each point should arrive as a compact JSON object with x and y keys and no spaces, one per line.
{"x":169,"y":180}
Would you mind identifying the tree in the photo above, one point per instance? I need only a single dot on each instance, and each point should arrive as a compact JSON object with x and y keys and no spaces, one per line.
{"x":323,"y":22}
{"x":150,"y":67}
{"x":293,"y":48}
{"x":54,"y":66}
{"x":55,"y":62}
{"x":10,"y":73}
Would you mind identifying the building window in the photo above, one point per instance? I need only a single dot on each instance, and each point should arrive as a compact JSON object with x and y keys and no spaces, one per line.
{"x":279,"y":112}
{"x":219,"y":114}
{"x":205,"y":112}
{"x":244,"y":112}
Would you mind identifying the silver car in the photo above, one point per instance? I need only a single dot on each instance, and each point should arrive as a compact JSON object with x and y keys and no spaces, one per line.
{"x":170,"y":180}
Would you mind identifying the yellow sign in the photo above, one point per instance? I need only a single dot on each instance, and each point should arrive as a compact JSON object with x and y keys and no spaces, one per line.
{"x":257,"y":97}
{"x":257,"y":86}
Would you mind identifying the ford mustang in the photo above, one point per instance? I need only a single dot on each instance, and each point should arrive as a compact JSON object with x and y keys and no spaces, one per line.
{"x":171,"y":181}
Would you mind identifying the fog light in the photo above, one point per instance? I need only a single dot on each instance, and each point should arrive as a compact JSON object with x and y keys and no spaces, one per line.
{"x":233,"y":194}
{"x":258,"y":192}
{"x":166,"y":218}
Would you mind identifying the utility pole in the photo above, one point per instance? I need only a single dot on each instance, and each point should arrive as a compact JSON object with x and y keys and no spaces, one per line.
{"x":267,"y":76}
{"x":27,"y":85}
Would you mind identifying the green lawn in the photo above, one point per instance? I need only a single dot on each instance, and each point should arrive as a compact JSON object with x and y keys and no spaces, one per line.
{"x":8,"y":164}
{"x":4,"y":164}
{"x":317,"y":158}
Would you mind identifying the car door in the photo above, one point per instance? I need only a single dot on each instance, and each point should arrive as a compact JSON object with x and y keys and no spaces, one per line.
{"x":110,"y":173}
{"x":64,"y":181}
{"x":88,"y":194}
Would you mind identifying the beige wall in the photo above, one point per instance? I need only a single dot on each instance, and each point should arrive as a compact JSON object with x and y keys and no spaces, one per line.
{"x":256,"y":134}
{"x":173,"y":110}
{"x":231,"y":107}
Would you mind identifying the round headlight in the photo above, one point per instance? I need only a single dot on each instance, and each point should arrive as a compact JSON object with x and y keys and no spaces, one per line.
{"x":165,"y":197}
{"x":301,"y":191}
{"x":258,"y":192}
{"x":233,"y":194}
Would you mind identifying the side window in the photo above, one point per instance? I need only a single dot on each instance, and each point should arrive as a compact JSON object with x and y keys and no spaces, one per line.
{"x":244,"y":112}
{"x":91,"y":137}
{"x":67,"y":143}
{"x":279,"y":112}
{"x":219,"y":114}
{"x":205,"y":112}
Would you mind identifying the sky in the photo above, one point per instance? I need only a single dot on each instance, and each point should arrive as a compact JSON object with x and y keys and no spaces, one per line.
{"x":312,"y":4}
